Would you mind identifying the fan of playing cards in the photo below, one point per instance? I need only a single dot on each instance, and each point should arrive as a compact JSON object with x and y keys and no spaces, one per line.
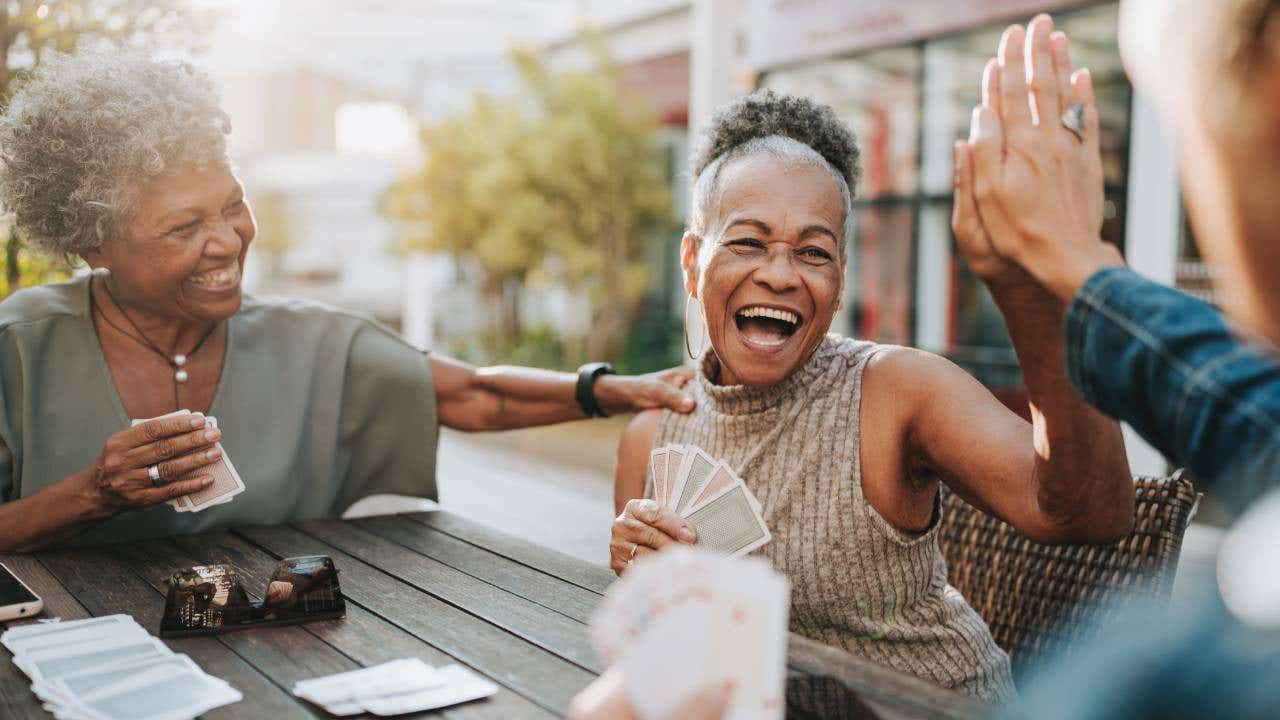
{"x":226,"y":481}
{"x":109,"y":667}
{"x":683,"y":619}
{"x":707,"y":493}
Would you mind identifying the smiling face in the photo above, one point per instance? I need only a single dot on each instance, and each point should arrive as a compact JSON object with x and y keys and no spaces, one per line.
{"x":182,"y":253}
{"x":770,"y":272}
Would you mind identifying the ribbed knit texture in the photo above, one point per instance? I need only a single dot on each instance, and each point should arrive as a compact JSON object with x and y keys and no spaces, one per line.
{"x":856,"y":582}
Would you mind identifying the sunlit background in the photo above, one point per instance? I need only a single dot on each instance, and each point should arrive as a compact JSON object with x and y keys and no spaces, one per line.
{"x":504,"y":181}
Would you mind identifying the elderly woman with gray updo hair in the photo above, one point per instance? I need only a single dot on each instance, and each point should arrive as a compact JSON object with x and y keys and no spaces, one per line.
{"x":846,"y":442}
{"x":121,"y":161}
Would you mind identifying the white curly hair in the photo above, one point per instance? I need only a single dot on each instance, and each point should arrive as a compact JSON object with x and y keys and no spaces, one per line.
{"x":85,"y":131}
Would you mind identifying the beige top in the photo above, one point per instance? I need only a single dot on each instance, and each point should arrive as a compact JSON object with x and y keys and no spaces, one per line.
{"x":318,"y":408}
{"x":856,"y":582}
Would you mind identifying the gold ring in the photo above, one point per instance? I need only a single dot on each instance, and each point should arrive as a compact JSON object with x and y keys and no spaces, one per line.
{"x":632,"y":556}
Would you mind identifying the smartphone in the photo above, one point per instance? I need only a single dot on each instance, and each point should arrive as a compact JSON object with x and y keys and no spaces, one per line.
{"x":16,"y":599}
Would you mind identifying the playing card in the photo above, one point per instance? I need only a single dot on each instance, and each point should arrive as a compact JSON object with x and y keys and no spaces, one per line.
{"x":24,"y":637}
{"x":658,"y":465}
{"x":457,"y":685}
{"x":163,"y":692}
{"x":721,"y":477}
{"x":390,"y":678}
{"x":52,"y":663}
{"x":709,"y":619}
{"x":729,"y":523}
{"x":226,"y":481}
{"x":675,"y":465}
{"x":78,"y":684}
{"x":700,"y":466}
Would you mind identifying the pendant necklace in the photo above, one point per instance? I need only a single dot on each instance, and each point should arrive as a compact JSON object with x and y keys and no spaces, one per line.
{"x":176,"y":362}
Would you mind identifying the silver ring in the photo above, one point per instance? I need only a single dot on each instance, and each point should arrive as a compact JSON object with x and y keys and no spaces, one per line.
{"x":632,"y":556}
{"x":1073,"y":120}
{"x":153,"y":472}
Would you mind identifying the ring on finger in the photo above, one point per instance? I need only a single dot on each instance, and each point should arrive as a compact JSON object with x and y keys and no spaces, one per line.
{"x":632,"y":556}
{"x":153,"y":472}
{"x":1073,"y":120}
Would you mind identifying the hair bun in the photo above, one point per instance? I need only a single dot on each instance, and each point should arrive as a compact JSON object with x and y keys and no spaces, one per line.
{"x":764,"y":113}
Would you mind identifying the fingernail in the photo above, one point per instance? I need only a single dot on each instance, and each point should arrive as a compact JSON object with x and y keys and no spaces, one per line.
{"x":686,"y":402}
{"x":197,"y":421}
{"x":206,"y":479}
{"x":211,"y":435}
{"x":212,"y":453}
{"x":975,"y":124}
{"x":648,"y":510}
{"x":687,"y":534}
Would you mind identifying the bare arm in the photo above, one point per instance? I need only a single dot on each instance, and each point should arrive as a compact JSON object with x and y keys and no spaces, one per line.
{"x":633,"y":458}
{"x":1064,"y":477}
{"x":117,"y":481}
{"x":509,"y":397}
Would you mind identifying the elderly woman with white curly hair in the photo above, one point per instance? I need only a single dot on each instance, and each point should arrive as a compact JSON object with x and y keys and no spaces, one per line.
{"x":121,"y":160}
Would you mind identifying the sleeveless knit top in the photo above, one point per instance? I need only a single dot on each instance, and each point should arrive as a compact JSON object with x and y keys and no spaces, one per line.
{"x":856,"y":582}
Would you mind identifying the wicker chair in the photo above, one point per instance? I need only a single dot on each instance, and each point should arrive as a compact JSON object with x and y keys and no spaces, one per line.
{"x":1040,"y":599}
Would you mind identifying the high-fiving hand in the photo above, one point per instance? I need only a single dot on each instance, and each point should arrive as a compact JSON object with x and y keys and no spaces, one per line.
{"x":1028,"y":191}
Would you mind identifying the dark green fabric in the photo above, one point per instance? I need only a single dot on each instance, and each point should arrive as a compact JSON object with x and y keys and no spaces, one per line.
{"x":318,"y":408}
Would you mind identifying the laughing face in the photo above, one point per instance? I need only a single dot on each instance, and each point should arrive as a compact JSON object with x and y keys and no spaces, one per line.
{"x":770,"y":272}
{"x":182,"y":253}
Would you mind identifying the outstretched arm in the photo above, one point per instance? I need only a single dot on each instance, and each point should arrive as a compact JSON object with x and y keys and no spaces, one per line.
{"x":508,"y":397}
{"x":1065,"y":477}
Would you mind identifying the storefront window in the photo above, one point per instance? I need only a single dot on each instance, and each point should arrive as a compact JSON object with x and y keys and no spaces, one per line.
{"x":908,"y":104}
{"x":877,"y":94}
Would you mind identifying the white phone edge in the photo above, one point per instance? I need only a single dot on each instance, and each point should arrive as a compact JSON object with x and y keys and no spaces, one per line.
{"x":18,"y":611}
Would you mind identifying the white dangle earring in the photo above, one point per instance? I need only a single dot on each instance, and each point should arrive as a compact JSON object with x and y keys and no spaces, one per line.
{"x":688,"y":347}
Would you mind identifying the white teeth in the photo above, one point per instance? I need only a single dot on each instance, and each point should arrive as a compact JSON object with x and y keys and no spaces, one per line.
{"x":758,"y":311}
{"x":218,"y":278}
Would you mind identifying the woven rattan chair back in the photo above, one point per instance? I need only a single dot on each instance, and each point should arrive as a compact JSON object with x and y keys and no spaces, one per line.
{"x":1039,"y":599}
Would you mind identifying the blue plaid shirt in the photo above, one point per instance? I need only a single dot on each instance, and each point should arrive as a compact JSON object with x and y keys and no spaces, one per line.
{"x":1170,"y":366}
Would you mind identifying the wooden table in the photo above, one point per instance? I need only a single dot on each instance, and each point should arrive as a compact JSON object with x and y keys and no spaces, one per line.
{"x":431,"y":585}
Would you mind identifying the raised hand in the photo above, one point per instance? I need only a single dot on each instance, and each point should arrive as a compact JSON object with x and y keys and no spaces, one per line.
{"x":1028,"y":190}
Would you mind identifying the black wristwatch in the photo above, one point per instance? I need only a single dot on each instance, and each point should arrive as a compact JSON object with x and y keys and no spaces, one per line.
{"x":587,"y":376}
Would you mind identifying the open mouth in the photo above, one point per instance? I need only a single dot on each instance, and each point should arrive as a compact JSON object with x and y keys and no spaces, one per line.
{"x":766,"y":326}
{"x":223,"y":279}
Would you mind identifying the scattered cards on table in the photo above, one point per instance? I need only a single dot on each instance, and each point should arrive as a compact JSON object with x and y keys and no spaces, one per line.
{"x":394,"y":688}
{"x":109,"y":667}
{"x":226,"y":481}
{"x":682,"y":620}
{"x":710,"y":495}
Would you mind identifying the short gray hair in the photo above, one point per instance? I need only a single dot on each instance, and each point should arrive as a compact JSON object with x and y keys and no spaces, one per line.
{"x":86,"y":130}
{"x":778,"y":146}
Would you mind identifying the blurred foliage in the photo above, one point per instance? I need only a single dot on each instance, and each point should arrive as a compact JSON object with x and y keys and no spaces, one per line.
{"x":31,"y":29}
{"x":275,"y":232}
{"x":27,"y":266}
{"x":561,"y":182}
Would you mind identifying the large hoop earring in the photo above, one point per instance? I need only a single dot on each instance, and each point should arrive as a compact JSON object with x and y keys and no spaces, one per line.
{"x":687,"y":346}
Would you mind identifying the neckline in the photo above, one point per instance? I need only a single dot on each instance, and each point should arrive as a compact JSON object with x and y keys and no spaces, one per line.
{"x":84,"y":306}
{"x":750,"y":399}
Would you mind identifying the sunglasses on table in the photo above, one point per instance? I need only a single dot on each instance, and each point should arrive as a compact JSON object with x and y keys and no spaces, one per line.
{"x":211,"y":599}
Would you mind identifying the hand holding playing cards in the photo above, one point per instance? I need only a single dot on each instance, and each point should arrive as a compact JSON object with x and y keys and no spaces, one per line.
{"x":176,"y":445}
{"x":645,"y":527}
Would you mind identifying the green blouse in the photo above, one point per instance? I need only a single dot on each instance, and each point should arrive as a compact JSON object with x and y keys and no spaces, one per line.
{"x":318,"y":408}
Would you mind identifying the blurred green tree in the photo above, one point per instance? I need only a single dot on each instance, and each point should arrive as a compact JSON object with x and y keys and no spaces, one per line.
{"x":562,"y":181}
{"x":31,"y":29}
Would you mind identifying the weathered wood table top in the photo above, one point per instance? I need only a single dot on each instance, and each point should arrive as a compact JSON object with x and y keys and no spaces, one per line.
{"x":431,"y":585}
